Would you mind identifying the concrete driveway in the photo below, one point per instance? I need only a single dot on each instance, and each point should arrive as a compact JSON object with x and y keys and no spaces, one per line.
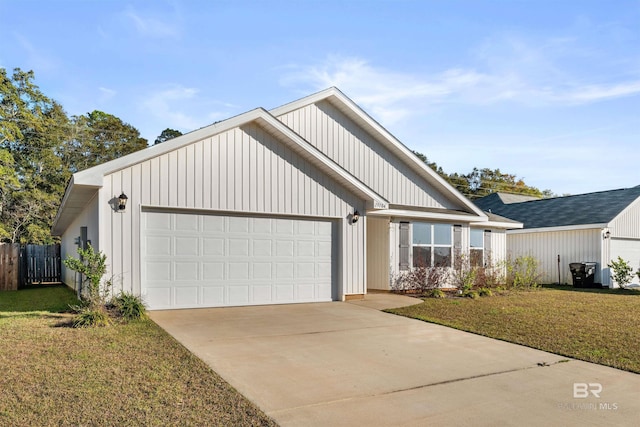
{"x":348,"y":364}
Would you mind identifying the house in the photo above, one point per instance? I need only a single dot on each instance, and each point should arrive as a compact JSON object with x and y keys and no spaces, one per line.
{"x":311,"y":201}
{"x":594,"y":227}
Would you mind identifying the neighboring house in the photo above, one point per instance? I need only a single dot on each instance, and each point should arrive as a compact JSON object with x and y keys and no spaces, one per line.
{"x":594,"y":227}
{"x":311,"y":201}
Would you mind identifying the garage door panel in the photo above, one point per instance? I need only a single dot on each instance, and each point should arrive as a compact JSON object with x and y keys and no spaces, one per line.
{"x":238,"y":247}
{"x":261,"y":270}
{"x":212,"y":223}
{"x":262,"y":247}
{"x":238,"y":224}
{"x":194,"y":260}
{"x":186,"y":246}
{"x":284,"y":248}
{"x":212,"y":271}
{"x":158,"y":297}
{"x":186,"y":296}
{"x":212,"y":246}
{"x":159,"y":245}
{"x":186,"y":223}
{"x":157,"y":271}
{"x":212,"y":296}
{"x":238,"y":294}
{"x":185,"y":270}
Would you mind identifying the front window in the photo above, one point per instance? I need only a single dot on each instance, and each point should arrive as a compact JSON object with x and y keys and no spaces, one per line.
{"x":431,"y":245}
{"x":477,"y":248}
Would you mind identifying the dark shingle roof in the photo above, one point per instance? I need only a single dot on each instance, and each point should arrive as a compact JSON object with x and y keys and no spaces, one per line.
{"x":591,"y":208}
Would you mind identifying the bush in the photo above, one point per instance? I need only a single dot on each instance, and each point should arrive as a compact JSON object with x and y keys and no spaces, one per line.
{"x":471,"y":294}
{"x":91,"y":315}
{"x":129,"y":306}
{"x":420,"y":279}
{"x":521,"y":272}
{"x":92,"y":265}
{"x":436,"y":293}
{"x":485,"y":292}
{"x":622,"y":272}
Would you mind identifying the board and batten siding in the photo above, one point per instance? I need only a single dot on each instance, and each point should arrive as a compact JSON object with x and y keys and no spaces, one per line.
{"x":68,"y":247}
{"x":338,"y":137}
{"x":571,"y":245}
{"x":498,"y":245}
{"x":626,"y":224}
{"x":244,"y":170}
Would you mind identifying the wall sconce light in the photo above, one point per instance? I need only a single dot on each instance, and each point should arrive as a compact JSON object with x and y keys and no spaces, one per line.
{"x":355,"y":217}
{"x":606,"y":234}
{"x":122,"y":202}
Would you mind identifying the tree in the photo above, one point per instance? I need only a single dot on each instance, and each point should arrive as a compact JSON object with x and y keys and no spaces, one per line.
{"x":481,"y":182}
{"x":166,"y":135}
{"x":98,"y":137}
{"x":40,"y":147}
{"x":30,"y":141}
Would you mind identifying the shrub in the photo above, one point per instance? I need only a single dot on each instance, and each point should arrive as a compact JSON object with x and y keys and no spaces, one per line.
{"x":521,"y":272}
{"x":91,"y":315}
{"x":420,"y":279}
{"x":485,"y":292}
{"x":622,"y":272}
{"x":436,"y":293}
{"x":92,"y":265}
{"x":471,"y":294}
{"x":129,"y":306}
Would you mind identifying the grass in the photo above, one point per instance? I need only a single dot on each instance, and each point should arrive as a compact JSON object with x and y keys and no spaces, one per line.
{"x":124,"y":374}
{"x":599,"y":326}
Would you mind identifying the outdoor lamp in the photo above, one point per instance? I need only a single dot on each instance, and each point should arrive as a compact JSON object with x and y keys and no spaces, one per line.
{"x":355,"y":217}
{"x":122,"y":202}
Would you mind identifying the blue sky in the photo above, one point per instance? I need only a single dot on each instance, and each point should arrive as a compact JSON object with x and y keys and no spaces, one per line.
{"x":546,"y":90}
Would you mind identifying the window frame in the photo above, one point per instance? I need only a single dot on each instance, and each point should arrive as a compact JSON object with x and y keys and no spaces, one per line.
{"x":432,"y":246}
{"x":476,"y":261}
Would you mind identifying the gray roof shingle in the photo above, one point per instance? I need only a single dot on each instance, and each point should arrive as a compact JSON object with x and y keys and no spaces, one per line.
{"x":590,"y":208}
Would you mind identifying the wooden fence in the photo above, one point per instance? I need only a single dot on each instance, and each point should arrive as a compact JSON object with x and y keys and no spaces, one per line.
{"x":9,"y":266}
{"x":29,"y":264}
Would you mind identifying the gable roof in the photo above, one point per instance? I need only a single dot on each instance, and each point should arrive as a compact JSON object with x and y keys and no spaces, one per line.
{"x":84,"y":184}
{"x":582,"y":209}
{"x":350,"y":109}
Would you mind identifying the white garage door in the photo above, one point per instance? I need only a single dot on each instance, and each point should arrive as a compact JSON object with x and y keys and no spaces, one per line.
{"x":629,"y":250}
{"x":193,"y":260}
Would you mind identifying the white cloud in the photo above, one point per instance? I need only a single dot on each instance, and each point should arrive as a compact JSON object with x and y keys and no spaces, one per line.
{"x":106,"y":94}
{"x":151,"y":27}
{"x":507,"y":69}
{"x":182,"y":108}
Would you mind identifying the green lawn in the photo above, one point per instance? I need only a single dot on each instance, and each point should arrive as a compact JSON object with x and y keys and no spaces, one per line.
{"x":133,"y":373}
{"x":600,"y":326}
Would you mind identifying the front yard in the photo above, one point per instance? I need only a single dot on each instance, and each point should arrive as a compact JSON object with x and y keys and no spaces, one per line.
{"x":125,"y":374}
{"x":600,"y":326}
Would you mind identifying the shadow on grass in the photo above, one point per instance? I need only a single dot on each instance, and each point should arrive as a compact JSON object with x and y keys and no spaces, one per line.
{"x":48,"y":298}
{"x":610,"y":291}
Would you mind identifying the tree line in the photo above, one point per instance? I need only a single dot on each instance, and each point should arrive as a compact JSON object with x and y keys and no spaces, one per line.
{"x":41,"y":146}
{"x":482,"y":182}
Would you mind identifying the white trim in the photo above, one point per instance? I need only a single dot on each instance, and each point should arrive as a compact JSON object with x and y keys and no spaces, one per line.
{"x":404,"y":213}
{"x":560,"y":228}
{"x":499,"y":224}
{"x":203,"y":211}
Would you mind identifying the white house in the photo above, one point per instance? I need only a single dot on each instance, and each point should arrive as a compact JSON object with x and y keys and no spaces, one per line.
{"x":594,"y":227}
{"x":311,"y":201}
